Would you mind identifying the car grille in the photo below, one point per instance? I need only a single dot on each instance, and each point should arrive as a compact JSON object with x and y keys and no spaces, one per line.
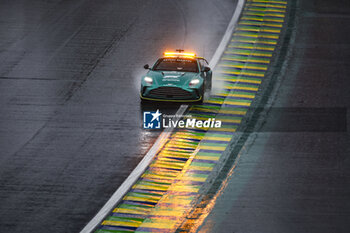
{"x":170,"y":92}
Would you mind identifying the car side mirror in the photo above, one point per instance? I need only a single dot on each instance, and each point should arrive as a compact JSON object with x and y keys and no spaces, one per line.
{"x":206,"y":69}
{"x":146,"y":66}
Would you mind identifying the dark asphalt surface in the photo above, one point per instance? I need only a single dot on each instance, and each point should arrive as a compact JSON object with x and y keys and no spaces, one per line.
{"x":70,"y":117}
{"x":296,"y":178}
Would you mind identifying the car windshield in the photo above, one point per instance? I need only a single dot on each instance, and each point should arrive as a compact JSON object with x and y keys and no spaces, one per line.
{"x":177,"y":64}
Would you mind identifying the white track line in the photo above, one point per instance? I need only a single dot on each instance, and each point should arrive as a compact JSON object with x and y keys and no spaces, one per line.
{"x":141,"y":167}
{"x":132,"y":178}
{"x":228,"y":34}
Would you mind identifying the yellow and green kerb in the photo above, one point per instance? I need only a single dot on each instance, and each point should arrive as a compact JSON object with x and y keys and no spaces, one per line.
{"x":166,"y":192}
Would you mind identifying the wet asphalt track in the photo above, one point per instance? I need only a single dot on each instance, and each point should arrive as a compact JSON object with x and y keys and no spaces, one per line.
{"x":294,"y":173}
{"x":70,"y":117}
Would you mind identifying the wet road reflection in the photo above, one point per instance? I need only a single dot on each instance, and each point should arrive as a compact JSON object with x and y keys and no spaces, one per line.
{"x":70,"y":128}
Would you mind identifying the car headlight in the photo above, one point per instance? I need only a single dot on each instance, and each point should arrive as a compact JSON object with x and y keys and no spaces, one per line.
{"x":194,"y":82}
{"x":148,"y":80}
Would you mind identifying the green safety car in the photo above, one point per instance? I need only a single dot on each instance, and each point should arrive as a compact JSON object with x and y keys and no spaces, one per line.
{"x":176,"y":77}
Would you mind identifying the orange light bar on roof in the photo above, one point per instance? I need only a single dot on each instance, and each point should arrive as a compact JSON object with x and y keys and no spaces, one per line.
{"x":175,"y":54}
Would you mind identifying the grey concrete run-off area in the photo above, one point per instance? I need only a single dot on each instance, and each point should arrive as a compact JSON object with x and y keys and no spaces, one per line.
{"x":70,"y":115}
{"x":296,"y":178}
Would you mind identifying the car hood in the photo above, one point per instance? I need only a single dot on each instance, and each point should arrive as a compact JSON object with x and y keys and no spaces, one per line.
{"x":172,"y":78}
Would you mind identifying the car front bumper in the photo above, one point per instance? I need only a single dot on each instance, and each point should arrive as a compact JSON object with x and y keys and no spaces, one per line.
{"x":171,"y":93}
